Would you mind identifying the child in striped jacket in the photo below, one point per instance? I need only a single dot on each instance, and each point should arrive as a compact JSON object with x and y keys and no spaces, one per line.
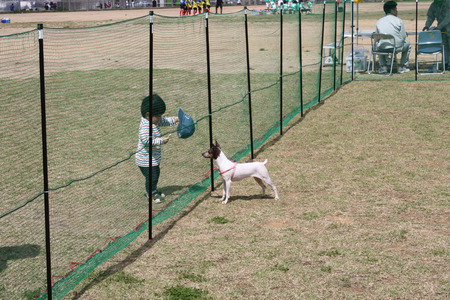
{"x":143,"y":150}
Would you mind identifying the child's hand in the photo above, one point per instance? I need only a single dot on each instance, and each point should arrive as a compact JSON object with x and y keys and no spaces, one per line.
{"x":166,"y":139}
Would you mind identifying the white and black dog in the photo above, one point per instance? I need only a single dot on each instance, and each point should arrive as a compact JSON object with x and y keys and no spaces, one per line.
{"x":232,"y":171}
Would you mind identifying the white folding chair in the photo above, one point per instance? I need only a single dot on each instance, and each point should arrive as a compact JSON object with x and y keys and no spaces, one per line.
{"x":430,"y":43}
{"x":376,"y":39}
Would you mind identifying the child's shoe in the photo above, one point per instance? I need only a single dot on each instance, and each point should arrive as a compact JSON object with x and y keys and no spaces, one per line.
{"x":158,"y":197}
{"x":163,"y":197}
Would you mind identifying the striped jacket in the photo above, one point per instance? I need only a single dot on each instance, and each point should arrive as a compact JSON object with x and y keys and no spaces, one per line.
{"x":142,"y":152}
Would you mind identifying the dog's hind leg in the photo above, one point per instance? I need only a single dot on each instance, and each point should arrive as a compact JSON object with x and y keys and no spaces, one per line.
{"x":274,"y":188}
{"x":275,"y":191}
{"x":261,"y":183}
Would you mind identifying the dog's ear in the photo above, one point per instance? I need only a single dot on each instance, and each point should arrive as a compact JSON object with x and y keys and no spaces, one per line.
{"x":217,"y":144}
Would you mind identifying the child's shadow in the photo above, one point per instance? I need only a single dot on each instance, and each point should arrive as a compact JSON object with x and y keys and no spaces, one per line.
{"x":17,"y":252}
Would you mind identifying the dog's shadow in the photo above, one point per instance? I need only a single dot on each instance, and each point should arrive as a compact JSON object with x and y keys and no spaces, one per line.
{"x":218,"y":187}
{"x":242,"y":198}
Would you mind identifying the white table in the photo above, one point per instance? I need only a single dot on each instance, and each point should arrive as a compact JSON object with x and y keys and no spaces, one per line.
{"x":331,"y":47}
{"x":368,"y":33}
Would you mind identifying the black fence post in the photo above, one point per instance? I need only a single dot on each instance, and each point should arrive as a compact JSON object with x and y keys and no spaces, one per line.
{"x":321,"y":50}
{"x":150,"y":131}
{"x":352,"y":35}
{"x":281,"y":71}
{"x":40,"y":28}
{"x":342,"y":41}
{"x":249,"y":92}
{"x":300,"y":58}
{"x":208,"y":68}
{"x":336,"y":7}
{"x":416,"y":48}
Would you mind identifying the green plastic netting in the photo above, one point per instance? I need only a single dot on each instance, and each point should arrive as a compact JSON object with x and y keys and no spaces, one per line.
{"x":95,"y":81}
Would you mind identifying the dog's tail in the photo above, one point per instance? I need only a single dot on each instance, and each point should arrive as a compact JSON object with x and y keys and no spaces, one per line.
{"x":265,"y":162}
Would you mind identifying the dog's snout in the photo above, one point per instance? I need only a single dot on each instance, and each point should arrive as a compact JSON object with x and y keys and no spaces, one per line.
{"x":206,"y":155}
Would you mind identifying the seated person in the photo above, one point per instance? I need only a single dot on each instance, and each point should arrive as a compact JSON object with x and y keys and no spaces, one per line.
{"x":302,"y":6}
{"x":295,"y":5}
{"x":273,"y":7}
{"x":391,"y":24}
{"x":309,"y":7}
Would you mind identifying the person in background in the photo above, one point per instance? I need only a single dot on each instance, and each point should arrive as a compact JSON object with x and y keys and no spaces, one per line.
{"x":188,"y":7}
{"x":309,"y":6}
{"x":295,"y":5}
{"x":440,"y":10}
{"x":11,"y":7}
{"x":194,"y":6}
{"x":391,"y":24}
{"x":219,"y":4}
{"x":182,"y":7}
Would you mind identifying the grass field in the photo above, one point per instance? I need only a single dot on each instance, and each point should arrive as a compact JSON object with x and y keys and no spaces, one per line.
{"x":363,"y":179}
{"x":364,"y":213}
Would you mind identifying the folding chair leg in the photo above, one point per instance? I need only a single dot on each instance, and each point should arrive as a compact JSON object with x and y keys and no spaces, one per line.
{"x":392,"y":62}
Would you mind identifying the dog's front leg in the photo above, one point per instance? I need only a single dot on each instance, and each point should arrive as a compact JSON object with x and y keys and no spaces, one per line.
{"x":226,"y":189}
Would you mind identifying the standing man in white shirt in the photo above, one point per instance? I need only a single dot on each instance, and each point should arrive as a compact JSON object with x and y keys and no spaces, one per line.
{"x":391,"y":24}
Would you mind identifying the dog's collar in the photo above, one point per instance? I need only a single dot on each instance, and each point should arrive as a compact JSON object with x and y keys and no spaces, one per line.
{"x":232,"y":168}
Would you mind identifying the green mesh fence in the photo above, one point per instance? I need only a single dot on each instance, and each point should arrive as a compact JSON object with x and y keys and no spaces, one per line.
{"x":95,"y":81}
{"x":22,"y":241}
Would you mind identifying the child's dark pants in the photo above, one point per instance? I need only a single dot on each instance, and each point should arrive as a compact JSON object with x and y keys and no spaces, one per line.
{"x":155,"y":177}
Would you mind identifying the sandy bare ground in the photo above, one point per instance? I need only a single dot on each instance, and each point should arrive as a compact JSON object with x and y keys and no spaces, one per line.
{"x":28,"y":21}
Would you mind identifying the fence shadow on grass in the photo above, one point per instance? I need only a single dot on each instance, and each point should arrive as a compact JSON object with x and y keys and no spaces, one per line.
{"x":136,"y":254}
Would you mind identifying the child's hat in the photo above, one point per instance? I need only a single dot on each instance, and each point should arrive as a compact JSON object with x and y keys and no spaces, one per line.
{"x":186,"y":127}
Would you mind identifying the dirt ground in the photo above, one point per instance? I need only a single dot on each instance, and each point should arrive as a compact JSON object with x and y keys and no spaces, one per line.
{"x":28,"y":21}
